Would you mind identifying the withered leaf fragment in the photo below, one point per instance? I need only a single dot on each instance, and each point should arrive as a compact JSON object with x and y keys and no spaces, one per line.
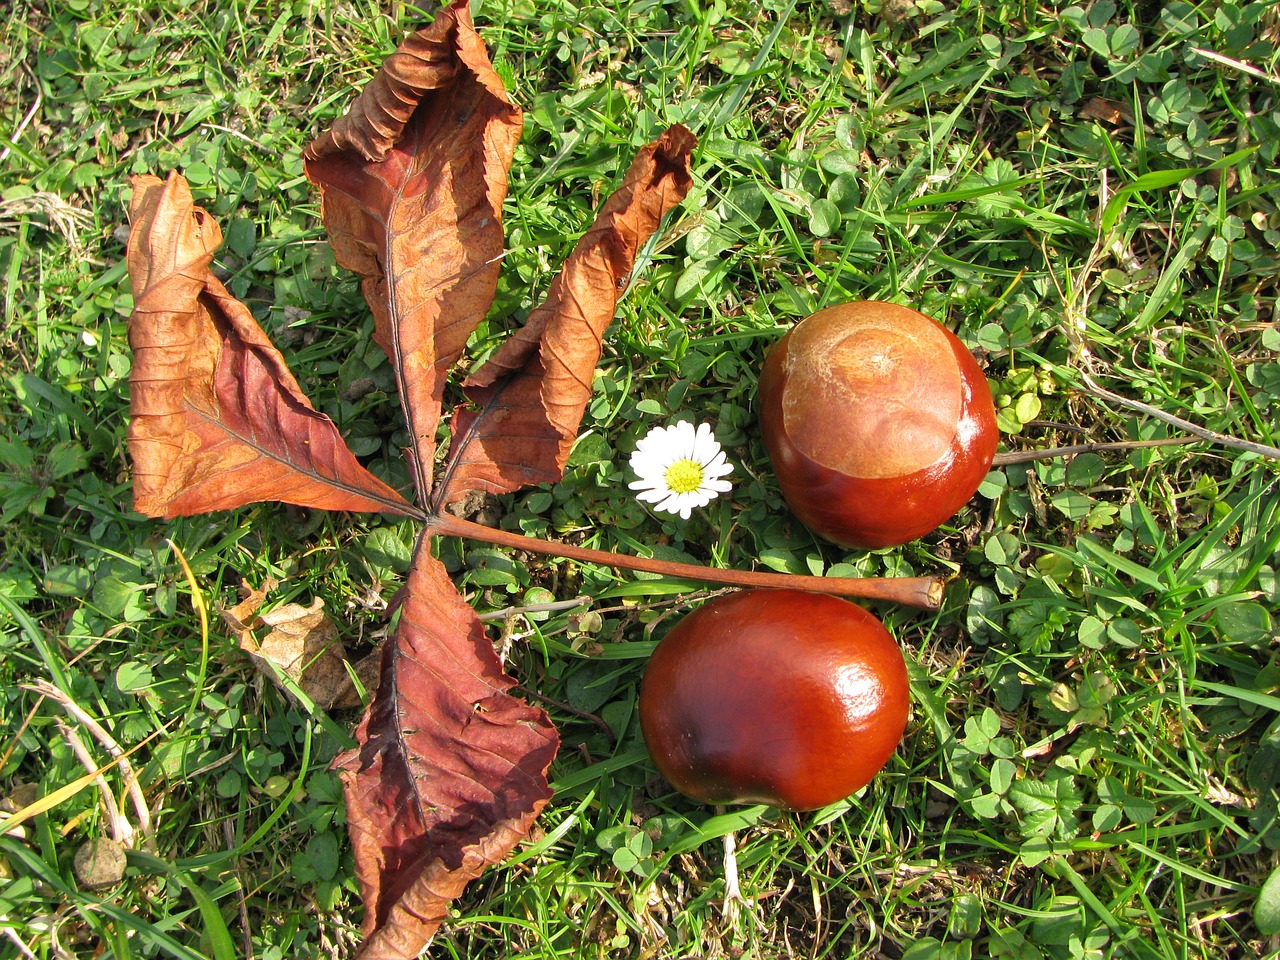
{"x":412,"y":181}
{"x":302,"y":642}
{"x":450,"y":772}
{"x":1110,"y":112}
{"x":532,"y":393}
{"x":217,"y":421}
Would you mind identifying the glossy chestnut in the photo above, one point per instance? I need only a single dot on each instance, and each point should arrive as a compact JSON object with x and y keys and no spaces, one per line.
{"x":782,"y":697}
{"x":878,"y":421}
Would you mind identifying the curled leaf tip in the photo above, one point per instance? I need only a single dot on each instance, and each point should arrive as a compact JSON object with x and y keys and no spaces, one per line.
{"x":426,"y":62}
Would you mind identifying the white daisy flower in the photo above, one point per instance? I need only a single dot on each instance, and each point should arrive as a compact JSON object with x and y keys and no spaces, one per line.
{"x":680,"y":468}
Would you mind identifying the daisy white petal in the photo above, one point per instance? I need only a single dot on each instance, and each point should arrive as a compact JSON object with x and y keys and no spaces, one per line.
{"x":653,"y":442}
{"x":684,"y":506}
{"x":668,"y":503}
{"x":643,"y":458}
{"x":717,"y":468}
{"x":699,"y":499}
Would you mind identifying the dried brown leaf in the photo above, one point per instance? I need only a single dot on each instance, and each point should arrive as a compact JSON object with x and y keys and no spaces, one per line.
{"x":243,"y":615}
{"x":532,"y":393}
{"x":216,"y":419}
{"x":301,"y":642}
{"x":412,"y":182}
{"x":450,"y":772}
{"x":1111,"y":112}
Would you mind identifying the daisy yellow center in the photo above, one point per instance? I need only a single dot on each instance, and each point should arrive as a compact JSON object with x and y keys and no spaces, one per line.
{"x":684,"y":476}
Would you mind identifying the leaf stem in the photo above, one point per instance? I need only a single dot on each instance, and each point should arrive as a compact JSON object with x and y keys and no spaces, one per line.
{"x":922,"y":592}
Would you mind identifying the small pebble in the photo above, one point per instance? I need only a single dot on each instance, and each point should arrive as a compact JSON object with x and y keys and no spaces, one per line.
{"x":99,"y":863}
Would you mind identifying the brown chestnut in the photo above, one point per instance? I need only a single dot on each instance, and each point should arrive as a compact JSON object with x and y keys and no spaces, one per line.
{"x":878,"y":421}
{"x":782,"y":697}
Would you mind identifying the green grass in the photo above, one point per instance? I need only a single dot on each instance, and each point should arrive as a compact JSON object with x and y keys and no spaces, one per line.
{"x":1092,"y":765}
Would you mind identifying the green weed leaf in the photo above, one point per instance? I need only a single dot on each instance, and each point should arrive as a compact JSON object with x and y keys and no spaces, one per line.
{"x":1048,"y":806}
{"x":1266,"y":911}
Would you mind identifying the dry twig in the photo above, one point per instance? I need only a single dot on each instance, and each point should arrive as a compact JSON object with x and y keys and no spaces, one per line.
{"x":22,"y":947}
{"x":121,"y":829}
{"x":1102,"y":393}
{"x":134,"y":789}
{"x":246,"y":931}
{"x":27,"y":118}
{"x":1026,"y":456}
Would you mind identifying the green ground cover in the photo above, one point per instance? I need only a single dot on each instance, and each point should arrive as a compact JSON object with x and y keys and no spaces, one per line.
{"x":1088,"y":195}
